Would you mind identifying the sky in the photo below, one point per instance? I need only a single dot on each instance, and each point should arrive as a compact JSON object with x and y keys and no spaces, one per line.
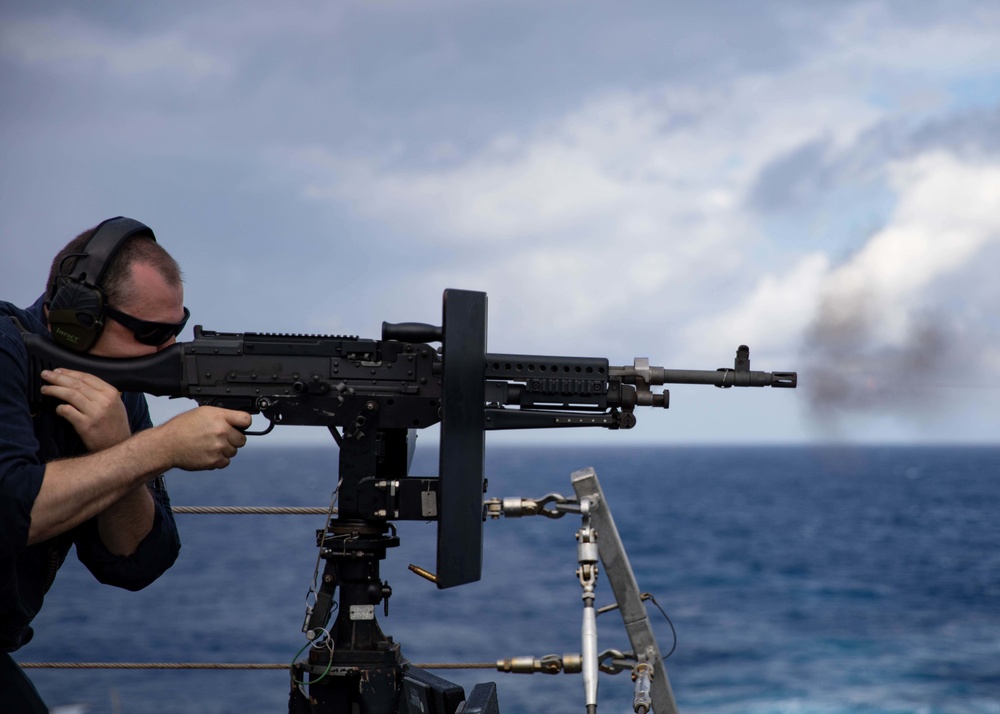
{"x":819,"y":181}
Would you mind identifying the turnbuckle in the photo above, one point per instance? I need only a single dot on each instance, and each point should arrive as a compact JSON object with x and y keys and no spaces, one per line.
{"x":552,"y":505}
{"x":548,"y":664}
{"x":611,"y":662}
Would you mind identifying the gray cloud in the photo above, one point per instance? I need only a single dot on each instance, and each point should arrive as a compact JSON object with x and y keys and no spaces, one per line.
{"x":795,"y":179}
{"x":805,"y":176}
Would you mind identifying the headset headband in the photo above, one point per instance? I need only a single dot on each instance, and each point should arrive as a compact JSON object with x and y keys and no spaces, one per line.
{"x":102,"y":247}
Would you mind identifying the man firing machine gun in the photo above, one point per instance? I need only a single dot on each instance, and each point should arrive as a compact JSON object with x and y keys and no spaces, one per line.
{"x":371,"y":394}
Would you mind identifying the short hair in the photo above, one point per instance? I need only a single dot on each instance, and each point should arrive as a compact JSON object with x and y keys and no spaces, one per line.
{"x":116,"y":283}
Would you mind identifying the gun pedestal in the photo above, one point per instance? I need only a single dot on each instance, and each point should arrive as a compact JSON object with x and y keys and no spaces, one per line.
{"x":355,"y":667}
{"x":359,"y":669}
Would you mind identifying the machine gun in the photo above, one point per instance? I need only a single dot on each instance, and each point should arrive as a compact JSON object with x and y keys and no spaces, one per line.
{"x":371,"y":395}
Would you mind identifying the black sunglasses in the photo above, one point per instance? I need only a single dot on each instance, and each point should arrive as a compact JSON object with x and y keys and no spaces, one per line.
{"x":148,"y":332}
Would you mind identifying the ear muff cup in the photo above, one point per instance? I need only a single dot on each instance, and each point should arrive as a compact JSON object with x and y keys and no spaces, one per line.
{"x":76,"y":314}
{"x":76,"y":309}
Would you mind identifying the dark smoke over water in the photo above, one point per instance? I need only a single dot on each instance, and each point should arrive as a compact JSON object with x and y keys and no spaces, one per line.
{"x":849,"y":369}
{"x":919,"y":356}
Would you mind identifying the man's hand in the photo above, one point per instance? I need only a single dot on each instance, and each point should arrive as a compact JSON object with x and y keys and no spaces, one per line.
{"x":205,"y":438}
{"x":92,"y":406}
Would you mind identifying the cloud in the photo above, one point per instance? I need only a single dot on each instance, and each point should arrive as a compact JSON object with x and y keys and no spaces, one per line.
{"x":904,"y":316}
{"x":901,"y":327}
{"x":659,"y":154}
{"x":775,"y":313}
{"x":947,"y":213}
{"x":67,"y":43}
{"x":632,"y":206}
{"x":920,"y":43}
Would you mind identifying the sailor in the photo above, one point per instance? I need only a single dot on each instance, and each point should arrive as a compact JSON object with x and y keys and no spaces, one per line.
{"x":87,"y":469}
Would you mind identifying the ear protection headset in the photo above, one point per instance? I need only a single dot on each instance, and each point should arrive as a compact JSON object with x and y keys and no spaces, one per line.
{"x":77,"y":305}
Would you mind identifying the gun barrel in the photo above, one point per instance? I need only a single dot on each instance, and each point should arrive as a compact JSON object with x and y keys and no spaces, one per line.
{"x":643,"y":374}
{"x":725,"y":378}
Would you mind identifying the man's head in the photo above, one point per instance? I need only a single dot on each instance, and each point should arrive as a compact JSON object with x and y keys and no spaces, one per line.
{"x":134,"y":294}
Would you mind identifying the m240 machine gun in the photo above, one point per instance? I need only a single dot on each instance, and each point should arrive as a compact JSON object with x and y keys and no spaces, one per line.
{"x":371,"y":395}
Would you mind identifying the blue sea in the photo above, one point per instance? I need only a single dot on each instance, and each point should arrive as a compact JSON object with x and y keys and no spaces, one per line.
{"x":833,"y":580}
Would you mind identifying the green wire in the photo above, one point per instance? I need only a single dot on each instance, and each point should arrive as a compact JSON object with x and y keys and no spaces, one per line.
{"x":291,"y":667}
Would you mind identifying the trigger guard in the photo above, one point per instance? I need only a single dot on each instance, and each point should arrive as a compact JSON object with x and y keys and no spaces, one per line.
{"x":270,"y":427}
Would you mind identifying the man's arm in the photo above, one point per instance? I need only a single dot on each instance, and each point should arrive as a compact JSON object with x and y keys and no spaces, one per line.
{"x":77,"y":489}
{"x":123,"y":525}
{"x":95,"y":410}
{"x":110,"y":483}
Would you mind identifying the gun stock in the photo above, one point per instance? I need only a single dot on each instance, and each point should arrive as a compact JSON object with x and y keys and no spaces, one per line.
{"x":158,"y":374}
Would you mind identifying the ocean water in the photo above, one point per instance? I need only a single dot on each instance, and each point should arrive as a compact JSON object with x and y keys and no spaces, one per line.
{"x":831,"y":580}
